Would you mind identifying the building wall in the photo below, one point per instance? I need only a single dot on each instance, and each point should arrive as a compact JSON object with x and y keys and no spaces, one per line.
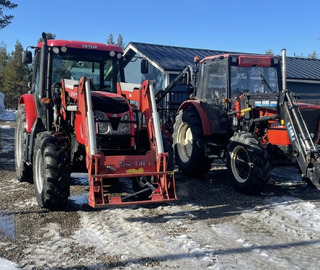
{"x":297,"y":87}
{"x":312,"y":91}
{"x":132,"y":71}
{"x":133,"y":74}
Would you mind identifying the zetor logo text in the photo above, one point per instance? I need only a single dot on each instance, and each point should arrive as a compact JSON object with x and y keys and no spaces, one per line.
{"x":88,"y":46}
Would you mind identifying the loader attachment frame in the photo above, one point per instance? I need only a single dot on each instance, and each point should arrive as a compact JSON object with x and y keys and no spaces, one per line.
{"x":103,"y":168}
{"x":303,"y":147}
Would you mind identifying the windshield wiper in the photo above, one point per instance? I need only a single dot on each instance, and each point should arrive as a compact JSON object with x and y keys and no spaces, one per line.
{"x":263,"y":78}
{"x":68,"y":71}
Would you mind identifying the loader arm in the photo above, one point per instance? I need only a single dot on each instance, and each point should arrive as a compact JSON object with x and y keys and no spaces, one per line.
{"x":152,"y":164}
{"x":304,"y":149}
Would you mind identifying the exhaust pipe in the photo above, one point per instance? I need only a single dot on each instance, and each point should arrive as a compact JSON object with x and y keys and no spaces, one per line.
{"x":43,"y":67}
{"x":284,"y":70}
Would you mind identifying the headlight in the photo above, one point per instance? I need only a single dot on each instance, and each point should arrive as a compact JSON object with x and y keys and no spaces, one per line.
{"x":103,"y":127}
{"x":124,"y":128}
{"x":125,"y":117}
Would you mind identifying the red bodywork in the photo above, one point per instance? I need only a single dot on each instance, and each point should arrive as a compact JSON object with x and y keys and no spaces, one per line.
{"x":277,"y":133}
{"x":245,"y":60}
{"x":203,"y":115}
{"x":31,"y":110}
{"x":82,"y":45}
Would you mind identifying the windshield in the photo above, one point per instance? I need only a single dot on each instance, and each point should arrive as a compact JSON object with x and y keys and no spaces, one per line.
{"x":253,"y":79}
{"x":74,"y":64}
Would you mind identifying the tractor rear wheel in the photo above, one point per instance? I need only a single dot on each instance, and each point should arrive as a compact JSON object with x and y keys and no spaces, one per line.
{"x":249,"y":163}
{"x":23,"y":170}
{"x":188,"y":144}
{"x":51,"y":171}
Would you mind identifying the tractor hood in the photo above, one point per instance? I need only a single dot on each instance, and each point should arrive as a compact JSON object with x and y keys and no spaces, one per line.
{"x":109,"y":102}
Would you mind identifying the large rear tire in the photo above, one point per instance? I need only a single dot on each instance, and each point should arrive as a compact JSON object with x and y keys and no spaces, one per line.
{"x":23,"y":170}
{"x":249,"y":163}
{"x":51,"y":171}
{"x":188,"y":144}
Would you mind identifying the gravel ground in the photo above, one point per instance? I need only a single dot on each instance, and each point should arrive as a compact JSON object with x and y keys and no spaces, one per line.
{"x":30,"y":236}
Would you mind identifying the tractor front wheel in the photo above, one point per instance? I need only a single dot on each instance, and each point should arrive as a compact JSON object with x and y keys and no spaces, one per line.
{"x":51,"y":171}
{"x":249,"y":163}
{"x":23,"y":170}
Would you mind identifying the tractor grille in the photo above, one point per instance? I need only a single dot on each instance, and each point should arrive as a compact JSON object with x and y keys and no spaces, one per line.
{"x":110,"y":104}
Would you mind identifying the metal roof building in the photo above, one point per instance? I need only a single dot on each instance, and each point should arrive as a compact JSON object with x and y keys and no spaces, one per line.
{"x":303,"y":74}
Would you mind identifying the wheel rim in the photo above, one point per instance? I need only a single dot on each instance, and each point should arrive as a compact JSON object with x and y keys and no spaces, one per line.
{"x":38,"y":174}
{"x":240,"y":164}
{"x":185,"y":142}
{"x":18,"y":149}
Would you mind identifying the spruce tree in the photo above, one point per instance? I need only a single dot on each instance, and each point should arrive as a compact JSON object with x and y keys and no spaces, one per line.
{"x":6,"y":19}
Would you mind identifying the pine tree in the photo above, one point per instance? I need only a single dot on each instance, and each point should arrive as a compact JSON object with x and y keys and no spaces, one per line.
{"x":48,"y":36}
{"x":269,"y":52}
{"x":110,"y":40}
{"x":6,"y":19}
{"x":313,"y":55}
{"x":120,"y":41}
{"x":3,"y":61}
{"x":15,"y":77}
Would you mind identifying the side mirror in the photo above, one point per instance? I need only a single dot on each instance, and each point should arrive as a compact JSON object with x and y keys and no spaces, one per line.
{"x":144,"y":66}
{"x":26,"y":57}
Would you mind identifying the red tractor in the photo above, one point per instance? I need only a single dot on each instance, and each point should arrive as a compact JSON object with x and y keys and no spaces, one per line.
{"x":81,"y":116}
{"x":239,"y":111}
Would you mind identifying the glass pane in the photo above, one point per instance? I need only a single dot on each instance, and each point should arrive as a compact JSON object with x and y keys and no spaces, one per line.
{"x":99,"y":66}
{"x":253,"y":79}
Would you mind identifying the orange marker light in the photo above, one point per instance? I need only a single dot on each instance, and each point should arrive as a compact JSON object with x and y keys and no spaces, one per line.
{"x":46,"y":101}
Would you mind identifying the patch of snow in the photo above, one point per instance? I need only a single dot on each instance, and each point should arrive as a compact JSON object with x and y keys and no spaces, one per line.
{"x":6,"y":115}
{"x":7,"y":265}
{"x":117,"y":233}
{"x":274,"y":235}
{"x":5,"y":127}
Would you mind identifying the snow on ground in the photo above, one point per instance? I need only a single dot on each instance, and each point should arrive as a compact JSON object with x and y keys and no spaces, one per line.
{"x":7,"y":265}
{"x":5,"y":115}
{"x":276,"y":235}
{"x":282,"y":232}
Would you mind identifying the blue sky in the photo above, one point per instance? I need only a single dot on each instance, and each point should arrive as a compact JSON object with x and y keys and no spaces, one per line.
{"x":231,"y":25}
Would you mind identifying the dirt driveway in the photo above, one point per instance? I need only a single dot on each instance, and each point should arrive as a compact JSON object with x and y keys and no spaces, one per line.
{"x":210,"y":227}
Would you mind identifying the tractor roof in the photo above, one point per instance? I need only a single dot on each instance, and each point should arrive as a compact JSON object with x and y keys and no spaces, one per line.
{"x":81,"y":45}
{"x":226,"y":55}
{"x":244,"y":59}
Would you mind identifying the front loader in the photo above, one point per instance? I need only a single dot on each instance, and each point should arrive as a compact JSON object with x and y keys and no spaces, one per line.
{"x":80,"y":115}
{"x":305,"y":148}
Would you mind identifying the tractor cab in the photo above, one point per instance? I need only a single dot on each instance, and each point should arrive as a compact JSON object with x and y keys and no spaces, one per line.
{"x":228,"y":76}
{"x":58,"y":60}
{"x":225,"y":81}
